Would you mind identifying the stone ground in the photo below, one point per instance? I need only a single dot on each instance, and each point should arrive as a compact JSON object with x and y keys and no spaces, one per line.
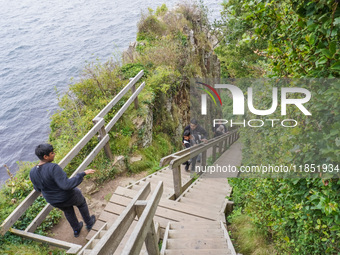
{"x":97,"y":198}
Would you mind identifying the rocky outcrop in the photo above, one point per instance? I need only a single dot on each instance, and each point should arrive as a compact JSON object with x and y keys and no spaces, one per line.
{"x":171,"y":111}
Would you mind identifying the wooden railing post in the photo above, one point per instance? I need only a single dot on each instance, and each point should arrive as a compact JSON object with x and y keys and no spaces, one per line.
{"x":102,"y":133}
{"x":177,"y":181}
{"x":145,"y":228}
{"x":151,"y":241}
{"x":133,"y":89}
{"x":214,"y":154}
{"x":220,"y":148}
{"x":204,"y":158}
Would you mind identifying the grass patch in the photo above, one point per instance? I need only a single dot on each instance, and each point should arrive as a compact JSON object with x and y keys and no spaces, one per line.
{"x":247,"y":238}
{"x":161,"y":146}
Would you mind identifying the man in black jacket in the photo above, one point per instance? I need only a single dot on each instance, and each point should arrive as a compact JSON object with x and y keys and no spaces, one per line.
{"x":198,"y":132}
{"x":199,"y":135}
{"x":60,"y":191}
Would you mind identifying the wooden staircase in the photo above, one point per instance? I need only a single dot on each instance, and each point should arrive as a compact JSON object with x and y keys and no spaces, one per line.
{"x":198,"y":238}
{"x":194,"y":223}
{"x":123,"y":195}
{"x":208,"y":192}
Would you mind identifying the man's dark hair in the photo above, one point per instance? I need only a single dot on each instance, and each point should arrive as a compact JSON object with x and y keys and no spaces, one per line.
{"x":194,"y":121}
{"x":186,"y":133}
{"x":43,"y":149}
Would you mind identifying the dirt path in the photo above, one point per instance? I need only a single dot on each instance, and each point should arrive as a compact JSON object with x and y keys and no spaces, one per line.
{"x":97,"y":198}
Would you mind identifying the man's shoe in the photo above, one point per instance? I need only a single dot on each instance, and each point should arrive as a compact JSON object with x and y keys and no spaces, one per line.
{"x":77,"y":232}
{"x":93,"y":220}
{"x":187,"y":166}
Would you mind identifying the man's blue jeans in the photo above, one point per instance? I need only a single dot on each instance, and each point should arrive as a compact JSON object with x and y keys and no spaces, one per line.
{"x":77,"y":199}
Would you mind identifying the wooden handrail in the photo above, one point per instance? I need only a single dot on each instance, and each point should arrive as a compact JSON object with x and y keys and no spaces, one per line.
{"x":114,"y":235}
{"x":166,"y":160}
{"x":109,"y":106}
{"x":124,"y":108}
{"x":144,"y":230}
{"x":77,"y":148}
{"x":178,"y":158}
{"x":198,"y":149}
{"x":70,"y":247}
{"x":18,"y":211}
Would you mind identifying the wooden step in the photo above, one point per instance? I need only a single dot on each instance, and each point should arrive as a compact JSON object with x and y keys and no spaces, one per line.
{"x":204,"y":198}
{"x":212,"y":183}
{"x":170,"y":204}
{"x":87,"y":251}
{"x":207,"y":194}
{"x":99,"y":224}
{"x":188,"y":243}
{"x":166,"y":191}
{"x":198,"y":252}
{"x":195,"y":225}
{"x":195,"y":233}
{"x":157,"y":178}
{"x":93,"y":243}
{"x":210,"y":205}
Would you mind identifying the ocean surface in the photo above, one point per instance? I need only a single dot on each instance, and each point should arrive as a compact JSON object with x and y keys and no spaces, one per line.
{"x":43,"y":46}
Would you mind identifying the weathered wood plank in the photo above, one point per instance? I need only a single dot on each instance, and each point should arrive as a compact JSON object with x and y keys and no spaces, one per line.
{"x":212,"y":232}
{"x":165,"y":239}
{"x":151,"y":240}
{"x":194,"y":151}
{"x":91,"y":156}
{"x":71,"y":247}
{"x":110,"y":241}
{"x":177,"y":180}
{"x":96,"y":235}
{"x":124,"y":108}
{"x":16,"y":214}
{"x":133,"y":89}
{"x":198,"y":252}
{"x":171,"y":205}
{"x":102,"y":133}
{"x":136,"y":240}
{"x":39,"y":218}
{"x":74,"y":152}
{"x":197,"y":244}
{"x":227,"y":237}
{"x":166,"y":160}
{"x":196,"y":203}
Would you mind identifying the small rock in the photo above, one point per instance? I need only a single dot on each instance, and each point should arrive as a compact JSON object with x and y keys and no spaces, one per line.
{"x":119,"y":163}
{"x":135,"y":159}
{"x":90,"y":188}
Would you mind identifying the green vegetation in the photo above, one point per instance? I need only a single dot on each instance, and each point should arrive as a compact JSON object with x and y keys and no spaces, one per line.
{"x":295,"y":39}
{"x":247,"y":237}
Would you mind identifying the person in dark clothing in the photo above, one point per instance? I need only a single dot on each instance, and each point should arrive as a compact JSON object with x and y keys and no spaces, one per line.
{"x":187,"y":142}
{"x":219,"y":129}
{"x":59,"y":190}
{"x":197,"y":131}
{"x":198,"y":134}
